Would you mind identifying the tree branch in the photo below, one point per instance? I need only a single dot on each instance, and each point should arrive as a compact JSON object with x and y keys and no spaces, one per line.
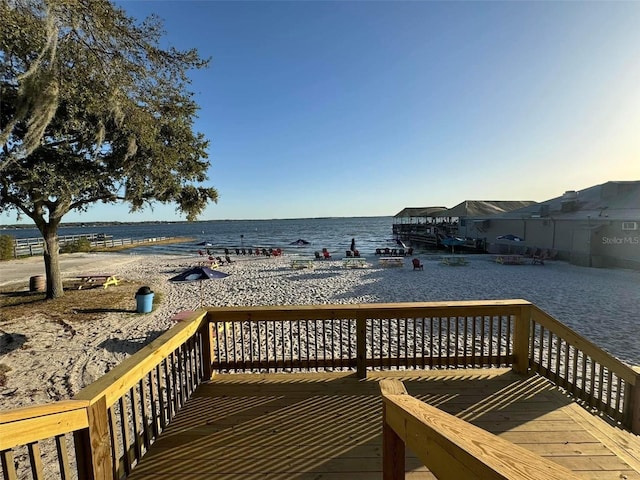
{"x":85,"y":201}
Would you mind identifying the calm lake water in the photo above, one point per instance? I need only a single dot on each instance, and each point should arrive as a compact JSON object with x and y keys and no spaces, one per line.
{"x":335,"y":234}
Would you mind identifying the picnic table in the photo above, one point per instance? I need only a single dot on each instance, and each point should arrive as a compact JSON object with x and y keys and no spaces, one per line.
{"x":391,"y":261}
{"x":509,"y":259}
{"x":299,"y":263}
{"x":454,"y":260}
{"x":90,"y":279}
{"x":354,"y":262}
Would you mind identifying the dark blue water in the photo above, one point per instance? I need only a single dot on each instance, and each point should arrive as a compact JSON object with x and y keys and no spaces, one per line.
{"x":335,"y":234}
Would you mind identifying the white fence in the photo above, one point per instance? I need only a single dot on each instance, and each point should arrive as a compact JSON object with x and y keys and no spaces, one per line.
{"x":24,"y":247}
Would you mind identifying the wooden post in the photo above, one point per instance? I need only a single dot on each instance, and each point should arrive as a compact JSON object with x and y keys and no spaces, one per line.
{"x":93,"y":445}
{"x":207,"y":350}
{"x":392,"y":451}
{"x":393,"y":447}
{"x":635,"y":409}
{"x":361,"y":345}
{"x":632,"y":413}
{"x":521,"y":334}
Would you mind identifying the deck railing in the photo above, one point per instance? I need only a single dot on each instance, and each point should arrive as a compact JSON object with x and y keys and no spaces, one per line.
{"x":426,"y":335}
{"x":364,"y":337}
{"x":595,"y":378}
{"x":450,"y":447}
{"x":107,"y":428}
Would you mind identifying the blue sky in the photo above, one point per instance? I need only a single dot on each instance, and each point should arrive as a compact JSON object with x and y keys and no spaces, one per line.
{"x":364,"y":108}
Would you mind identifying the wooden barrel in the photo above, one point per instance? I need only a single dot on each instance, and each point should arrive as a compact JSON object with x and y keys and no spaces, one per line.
{"x":37,"y":284}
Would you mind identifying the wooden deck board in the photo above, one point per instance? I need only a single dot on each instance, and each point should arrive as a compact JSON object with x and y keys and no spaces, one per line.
{"x":329,"y":426}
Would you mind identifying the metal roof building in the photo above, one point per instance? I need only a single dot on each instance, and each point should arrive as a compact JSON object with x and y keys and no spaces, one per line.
{"x":598,"y":226}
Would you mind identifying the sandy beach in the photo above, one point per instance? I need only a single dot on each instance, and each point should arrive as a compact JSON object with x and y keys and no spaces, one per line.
{"x":600,"y":304}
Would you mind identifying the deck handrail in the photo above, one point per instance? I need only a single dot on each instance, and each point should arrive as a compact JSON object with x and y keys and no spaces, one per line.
{"x":361,"y":336}
{"x":115,"y":419}
{"x":121,"y":414}
{"x":118,"y":381}
{"x":595,"y":377}
{"x":25,"y":425}
{"x":461,"y":335}
{"x":450,"y":447}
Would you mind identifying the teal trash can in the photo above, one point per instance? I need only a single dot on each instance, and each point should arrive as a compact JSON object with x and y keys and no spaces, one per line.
{"x":144,"y":300}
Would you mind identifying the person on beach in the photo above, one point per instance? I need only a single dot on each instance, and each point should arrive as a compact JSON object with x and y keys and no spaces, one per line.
{"x":353,"y":245}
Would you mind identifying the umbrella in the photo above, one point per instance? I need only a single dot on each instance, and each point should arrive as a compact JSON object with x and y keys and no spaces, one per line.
{"x":299,"y":242}
{"x":513,"y":238}
{"x":198,"y":274}
{"x":452,"y":242}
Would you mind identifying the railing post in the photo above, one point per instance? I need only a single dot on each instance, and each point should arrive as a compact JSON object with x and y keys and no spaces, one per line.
{"x":361,"y":345}
{"x":207,"y":350}
{"x":93,"y":445}
{"x":633,"y":406}
{"x":393,"y":447}
{"x":521,"y":333}
{"x":393,"y":451}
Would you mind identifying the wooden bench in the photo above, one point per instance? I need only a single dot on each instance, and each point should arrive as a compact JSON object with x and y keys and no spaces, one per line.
{"x":90,"y":279}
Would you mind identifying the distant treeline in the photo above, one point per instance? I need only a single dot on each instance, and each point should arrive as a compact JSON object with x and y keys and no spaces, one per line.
{"x":99,"y":224}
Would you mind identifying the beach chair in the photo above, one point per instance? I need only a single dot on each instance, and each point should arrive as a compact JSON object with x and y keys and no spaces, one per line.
{"x":539,"y":257}
{"x":417,"y":265}
{"x":318,"y":256}
{"x":378,"y":251}
{"x":349,"y":253}
{"x":227,"y":258}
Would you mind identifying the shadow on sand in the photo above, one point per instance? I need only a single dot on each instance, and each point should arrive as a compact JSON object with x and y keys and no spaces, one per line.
{"x":129,"y":345}
{"x":11,"y":341}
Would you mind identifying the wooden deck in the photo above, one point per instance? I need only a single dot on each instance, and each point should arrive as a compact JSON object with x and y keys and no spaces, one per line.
{"x":328,"y":426}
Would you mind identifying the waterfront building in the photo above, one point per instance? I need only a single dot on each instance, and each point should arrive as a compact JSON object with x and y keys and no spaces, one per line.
{"x":596,"y":227}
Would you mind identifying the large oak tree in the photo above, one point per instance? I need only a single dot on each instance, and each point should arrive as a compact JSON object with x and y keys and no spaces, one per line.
{"x":92,"y":109}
